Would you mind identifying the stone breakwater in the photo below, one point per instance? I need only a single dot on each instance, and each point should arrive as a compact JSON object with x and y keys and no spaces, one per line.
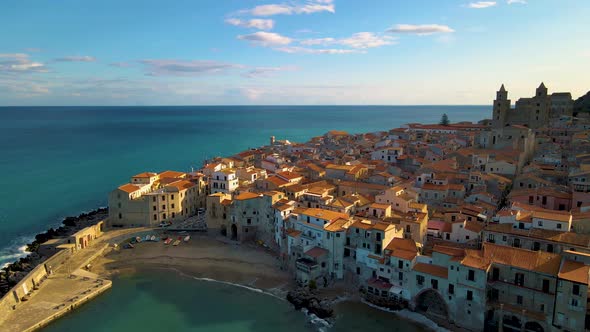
{"x":13,"y":273}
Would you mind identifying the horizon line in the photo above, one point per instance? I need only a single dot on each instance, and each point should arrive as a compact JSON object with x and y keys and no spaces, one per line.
{"x":254,"y":105}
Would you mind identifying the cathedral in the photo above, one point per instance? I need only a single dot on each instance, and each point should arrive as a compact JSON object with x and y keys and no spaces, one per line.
{"x":534,"y":112}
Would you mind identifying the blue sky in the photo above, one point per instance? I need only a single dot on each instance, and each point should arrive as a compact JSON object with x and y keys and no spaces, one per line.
{"x":289,"y":52}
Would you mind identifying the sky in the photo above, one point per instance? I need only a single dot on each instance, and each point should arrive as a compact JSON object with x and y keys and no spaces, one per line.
{"x":292,"y":52}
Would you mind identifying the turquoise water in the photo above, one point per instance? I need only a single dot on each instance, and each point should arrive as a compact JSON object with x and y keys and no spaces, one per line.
{"x":166,"y":301}
{"x":60,"y":161}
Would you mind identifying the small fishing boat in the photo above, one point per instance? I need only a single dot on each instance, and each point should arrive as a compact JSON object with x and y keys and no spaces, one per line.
{"x":177,"y":242}
{"x":129,"y":246}
{"x":138,"y":239}
{"x":167,"y":241}
{"x":186,"y":238}
{"x":147,"y":238}
{"x":153,"y":238}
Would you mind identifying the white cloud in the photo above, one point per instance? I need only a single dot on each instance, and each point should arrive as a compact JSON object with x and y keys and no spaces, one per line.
{"x":163,"y":67}
{"x":421,"y":29}
{"x":76,"y":58}
{"x":359,"y":40}
{"x":510,"y":2}
{"x":267,"y":71}
{"x":260,"y":24}
{"x":19,"y":63}
{"x":306,"y":50}
{"x":310,"y":7}
{"x":266,"y":38}
{"x":481,"y":4}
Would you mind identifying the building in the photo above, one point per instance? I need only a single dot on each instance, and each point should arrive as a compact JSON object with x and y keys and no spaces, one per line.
{"x":151,"y":199}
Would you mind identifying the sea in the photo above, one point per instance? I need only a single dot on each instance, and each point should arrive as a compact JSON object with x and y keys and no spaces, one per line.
{"x":61,"y":161}
{"x":163,"y":300}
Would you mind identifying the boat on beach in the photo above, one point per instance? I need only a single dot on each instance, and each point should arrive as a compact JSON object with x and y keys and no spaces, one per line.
{"x":187,"y":238}
{"x":177,"y":242}
{"x":138,"y":239}
{"x":153,"y":238}
{"x":167,"y":241}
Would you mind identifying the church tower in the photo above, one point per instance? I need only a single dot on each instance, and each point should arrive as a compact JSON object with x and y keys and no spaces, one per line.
{"x":540,"y":108}
{"x":501,"y":108}
{"x":541,"y":90}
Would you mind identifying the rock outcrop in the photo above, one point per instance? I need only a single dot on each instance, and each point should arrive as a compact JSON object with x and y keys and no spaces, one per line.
{"x":302,"y":298}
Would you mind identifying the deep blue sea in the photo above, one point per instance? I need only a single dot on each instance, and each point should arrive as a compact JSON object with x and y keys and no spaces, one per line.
{"x":60,"y":161}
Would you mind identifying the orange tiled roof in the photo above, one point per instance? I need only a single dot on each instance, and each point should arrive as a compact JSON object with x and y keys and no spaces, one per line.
{"x":246,"y":195}
{"x":434,"y":270}
{"x":574,"y":271}
{"x":145,"y":175}
{"x":129,"y":188}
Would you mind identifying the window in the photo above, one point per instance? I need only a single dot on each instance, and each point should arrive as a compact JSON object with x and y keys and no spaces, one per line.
{"x":154,"y":208}
{"x":451,"y":289}
{"x":400,"y":264}
{"x":574,"y":302}
{"x":163,"y":207}
{"x":540,"y":222}
{"x":471,"y":275}
{"x":519,"y":279}
{"x":545,"y":286}
{"x":420,"y":280}
{"x":434,"y":283}
{"x":171,"y":196}
{"x":173,"y":214}
{"x":163,"y":198}
{"x":576,"y":289}
{"x":469,"y":295}
{"x":155,"y":217}
{"x":154,"y":199}
{"x":337,"y":234}
{"x":120,"y":216}
{"x":519,"y":299}
{"x":172,"y":206}
{"x":558,"y":226}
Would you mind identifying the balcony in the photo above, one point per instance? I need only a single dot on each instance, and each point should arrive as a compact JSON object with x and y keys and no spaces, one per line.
{"x":306,"y":265}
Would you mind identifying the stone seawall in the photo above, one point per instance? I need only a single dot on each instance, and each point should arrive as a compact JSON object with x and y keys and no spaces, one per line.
{"x":44,"y":322}
{"x":31,"y":283}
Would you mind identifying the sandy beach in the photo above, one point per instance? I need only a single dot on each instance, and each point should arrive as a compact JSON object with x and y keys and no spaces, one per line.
{"x":203,"y":256}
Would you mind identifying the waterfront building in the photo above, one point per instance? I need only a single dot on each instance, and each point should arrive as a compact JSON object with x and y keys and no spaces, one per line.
{"x":151,"y":199}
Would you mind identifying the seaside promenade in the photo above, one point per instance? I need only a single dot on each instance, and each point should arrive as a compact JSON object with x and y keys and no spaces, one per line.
{"x":66,"y":288}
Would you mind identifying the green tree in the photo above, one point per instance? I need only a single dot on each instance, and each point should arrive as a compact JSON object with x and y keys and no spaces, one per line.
{"x":444,"y":120}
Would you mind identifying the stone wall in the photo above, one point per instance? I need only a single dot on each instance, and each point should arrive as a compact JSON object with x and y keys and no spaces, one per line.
{"x":32,"y":281}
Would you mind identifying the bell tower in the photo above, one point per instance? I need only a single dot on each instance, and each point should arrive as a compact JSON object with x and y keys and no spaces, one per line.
{"x":501,"y":108}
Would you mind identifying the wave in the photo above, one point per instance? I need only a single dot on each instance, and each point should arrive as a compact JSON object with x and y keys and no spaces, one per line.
{"x":13,"y":253}
{"x":410,"y":316}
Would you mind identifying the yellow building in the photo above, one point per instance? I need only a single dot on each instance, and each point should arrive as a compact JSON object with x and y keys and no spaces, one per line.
{"x":151,"y":199}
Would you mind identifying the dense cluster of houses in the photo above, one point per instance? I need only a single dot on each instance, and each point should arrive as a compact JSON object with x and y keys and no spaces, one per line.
{"x":480,"y":225}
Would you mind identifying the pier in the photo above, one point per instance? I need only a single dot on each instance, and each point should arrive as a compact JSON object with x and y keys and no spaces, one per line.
{"x":61,"y":284}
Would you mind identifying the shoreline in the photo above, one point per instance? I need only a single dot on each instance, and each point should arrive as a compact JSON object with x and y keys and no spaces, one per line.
{"x":246,"y":266}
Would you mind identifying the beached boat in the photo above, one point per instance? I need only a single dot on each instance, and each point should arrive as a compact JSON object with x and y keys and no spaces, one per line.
{"x":129,"y":246}
{"x":177,"y":242}
{"x":147,"y":238}
{"x":153,"y":238}
{"x":186,"y":238}
{"x":167,"y":241}
{"x":138,"y":239}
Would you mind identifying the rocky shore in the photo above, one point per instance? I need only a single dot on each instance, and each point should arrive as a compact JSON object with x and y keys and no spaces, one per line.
{"x":303,"y":298}
{"x":11,"y":274}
